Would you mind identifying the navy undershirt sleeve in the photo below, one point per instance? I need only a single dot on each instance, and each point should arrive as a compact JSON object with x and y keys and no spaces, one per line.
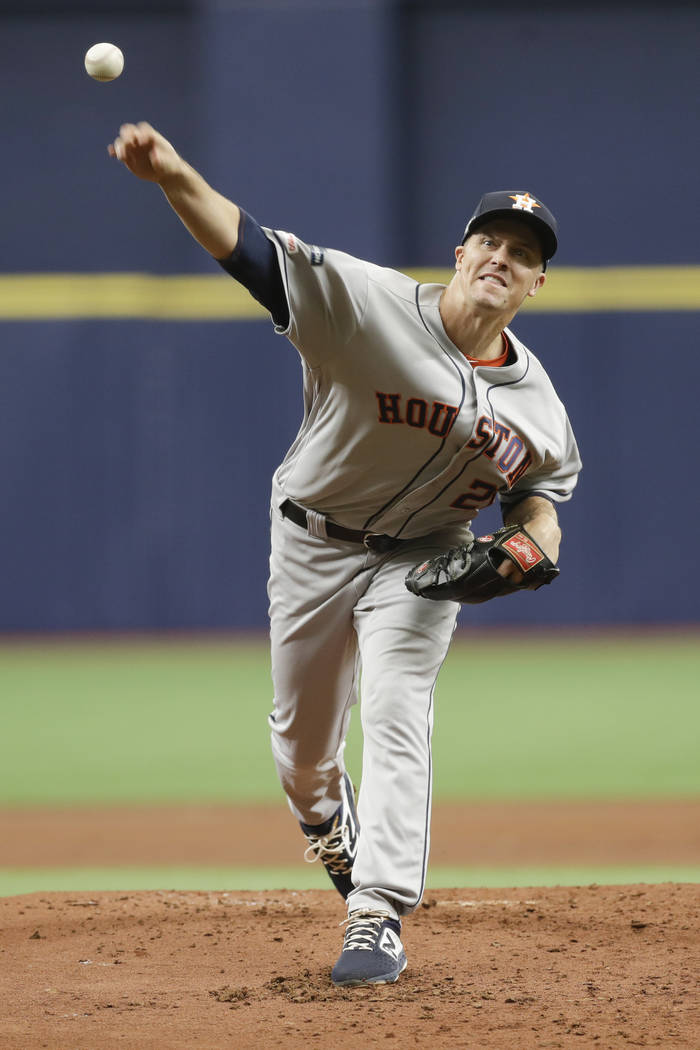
{"x":253,"y":262}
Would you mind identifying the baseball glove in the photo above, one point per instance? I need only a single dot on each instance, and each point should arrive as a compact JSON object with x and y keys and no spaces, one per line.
{"x":469,"y":574}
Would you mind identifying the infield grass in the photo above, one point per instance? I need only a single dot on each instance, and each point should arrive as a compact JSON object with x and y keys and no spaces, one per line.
{"x":16,"y":881}
{"x":184,"y":719}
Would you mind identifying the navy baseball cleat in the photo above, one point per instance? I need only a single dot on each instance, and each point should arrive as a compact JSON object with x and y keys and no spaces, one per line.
{"x":372,"y":950}
{"x":334,"y":842}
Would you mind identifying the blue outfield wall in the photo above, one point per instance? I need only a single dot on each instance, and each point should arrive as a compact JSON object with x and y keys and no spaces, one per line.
{"x":135,"y":456}
{"x":138,"y":456}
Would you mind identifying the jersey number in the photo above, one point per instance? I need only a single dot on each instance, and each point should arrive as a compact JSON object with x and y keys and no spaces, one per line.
{"x":481,"y":494}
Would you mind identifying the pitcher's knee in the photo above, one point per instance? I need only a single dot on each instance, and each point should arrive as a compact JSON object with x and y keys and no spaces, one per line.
{"x":308,"y":784}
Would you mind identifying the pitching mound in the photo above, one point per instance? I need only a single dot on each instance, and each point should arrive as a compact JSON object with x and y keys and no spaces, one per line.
{"x":595,"y":966}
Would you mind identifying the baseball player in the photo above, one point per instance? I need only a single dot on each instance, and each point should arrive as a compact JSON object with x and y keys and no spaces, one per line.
{"x":421,"y":407}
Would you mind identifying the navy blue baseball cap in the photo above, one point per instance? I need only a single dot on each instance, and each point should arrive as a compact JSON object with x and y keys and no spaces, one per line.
{"x":521,"y":204}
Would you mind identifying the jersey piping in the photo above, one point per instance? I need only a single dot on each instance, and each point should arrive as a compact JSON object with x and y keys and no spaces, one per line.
{"x":407,"y":486}
{"x":510,"y":382}
{"x":278,"y":328}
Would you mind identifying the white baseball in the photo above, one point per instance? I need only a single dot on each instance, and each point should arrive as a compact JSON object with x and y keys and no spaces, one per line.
{"x":104,"y":61}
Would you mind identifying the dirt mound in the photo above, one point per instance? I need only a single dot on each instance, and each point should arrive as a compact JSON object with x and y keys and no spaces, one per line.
{"x":537,"y":968}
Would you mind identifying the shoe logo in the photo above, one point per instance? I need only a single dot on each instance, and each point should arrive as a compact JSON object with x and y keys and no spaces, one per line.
{"x":390,"y":943}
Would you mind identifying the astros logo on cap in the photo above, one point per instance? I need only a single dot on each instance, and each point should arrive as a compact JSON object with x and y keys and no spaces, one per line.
{"x":524,"y":202}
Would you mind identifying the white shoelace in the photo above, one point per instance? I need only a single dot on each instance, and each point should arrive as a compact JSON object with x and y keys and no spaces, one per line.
{"x":330,"y":849}
{"x":363,"y":930}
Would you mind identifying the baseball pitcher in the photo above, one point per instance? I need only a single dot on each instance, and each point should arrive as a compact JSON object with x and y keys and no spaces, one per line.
{"x":421,"y":407}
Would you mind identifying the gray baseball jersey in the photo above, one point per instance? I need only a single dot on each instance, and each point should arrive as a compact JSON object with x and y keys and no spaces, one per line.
{"x":402,"y":436}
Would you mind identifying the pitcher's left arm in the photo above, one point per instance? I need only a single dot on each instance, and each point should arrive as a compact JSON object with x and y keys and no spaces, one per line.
{"x":539,"y":517}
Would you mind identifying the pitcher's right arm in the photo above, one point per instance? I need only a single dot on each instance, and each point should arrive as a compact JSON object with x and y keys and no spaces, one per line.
{"x":212,"y":219}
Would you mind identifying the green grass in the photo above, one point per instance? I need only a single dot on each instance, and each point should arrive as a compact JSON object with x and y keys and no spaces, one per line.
{"x":15,"y":881}
{"x":123,"y":722}
{"x":185,"y":720}
{"x":587,"y":719}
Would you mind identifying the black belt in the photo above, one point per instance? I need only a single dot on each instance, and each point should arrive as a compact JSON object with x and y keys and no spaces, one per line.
{"x":379,"y":543}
